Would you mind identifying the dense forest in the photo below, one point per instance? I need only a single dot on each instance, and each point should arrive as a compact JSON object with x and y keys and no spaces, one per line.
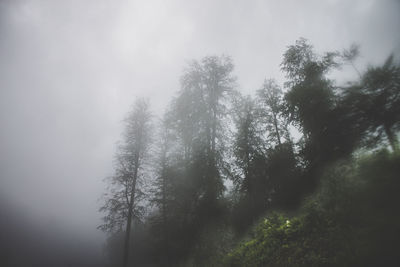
{"x":304,"y":173}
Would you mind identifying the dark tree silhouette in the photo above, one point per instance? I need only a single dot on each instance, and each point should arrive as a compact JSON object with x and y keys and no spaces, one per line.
{"x":376,"y":100}
{"x":122,"y":201}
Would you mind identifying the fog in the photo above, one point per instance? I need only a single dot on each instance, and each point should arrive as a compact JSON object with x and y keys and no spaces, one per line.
{"x":70,"y":70}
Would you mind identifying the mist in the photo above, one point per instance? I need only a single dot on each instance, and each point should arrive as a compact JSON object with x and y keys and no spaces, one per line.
{"x":70,"y":71}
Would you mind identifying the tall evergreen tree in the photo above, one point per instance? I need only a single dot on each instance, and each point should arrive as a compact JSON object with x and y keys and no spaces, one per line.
{"x":122,"y":203}
{"x":196,"y":157}
{"x":250,"y":181}
{"x":201,"y":102}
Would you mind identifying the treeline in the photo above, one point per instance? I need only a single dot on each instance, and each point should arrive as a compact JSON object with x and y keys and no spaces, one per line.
{"x":192,"y":185}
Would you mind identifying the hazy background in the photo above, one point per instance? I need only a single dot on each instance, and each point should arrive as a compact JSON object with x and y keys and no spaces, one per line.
{"x":69,"y":71}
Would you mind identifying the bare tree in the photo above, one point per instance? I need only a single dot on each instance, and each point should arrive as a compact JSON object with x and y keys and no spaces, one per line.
{"x":123,"y":199}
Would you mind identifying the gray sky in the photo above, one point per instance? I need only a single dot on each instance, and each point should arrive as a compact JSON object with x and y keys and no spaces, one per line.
{"x":70,"y":70}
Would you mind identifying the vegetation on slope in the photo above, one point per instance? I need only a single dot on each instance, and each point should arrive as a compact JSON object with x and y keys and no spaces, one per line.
{"x":352,"y":220}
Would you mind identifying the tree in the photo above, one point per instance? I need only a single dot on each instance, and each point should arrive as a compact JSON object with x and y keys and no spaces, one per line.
{"x":310,"y":96}
{"x":250,"y":179}
{"x":163,"y":191}
{"x":377,"y":101}
{"x":123,"y":201}
{"x":200,"y":110}
{"x":192,"y":158}
{"x":270,"y":97}
{"x":349,"y":55}
{"x":312,"y":105}
{"x":247,"y":141}
{"x":264,"y":155}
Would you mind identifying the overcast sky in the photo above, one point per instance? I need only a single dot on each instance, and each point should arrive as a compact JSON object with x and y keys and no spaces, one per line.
{"x":69,"y":71}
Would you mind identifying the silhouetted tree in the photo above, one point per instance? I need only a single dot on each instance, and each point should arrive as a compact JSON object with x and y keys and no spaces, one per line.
{"x":270,"y":98}
{"x":201,"y":101}
{"x":122,"y":201}
{"x":194,"y":158}
{"x":250,"y":179}
{"x":313,"y":105}
{"x":349,"y":55}
{"x":376,"y":101}
{"x":163,"y":192}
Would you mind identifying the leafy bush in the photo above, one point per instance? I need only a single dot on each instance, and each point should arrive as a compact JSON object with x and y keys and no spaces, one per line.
{"x":352,"y":220}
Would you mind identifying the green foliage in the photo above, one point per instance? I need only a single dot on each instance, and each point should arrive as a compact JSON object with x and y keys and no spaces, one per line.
{"x":376,"y":102}
{"x":352,"y":220}
{"x":307,"y":240}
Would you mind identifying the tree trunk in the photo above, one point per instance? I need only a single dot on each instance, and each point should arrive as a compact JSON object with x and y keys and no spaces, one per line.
{"x":130,"y":215}
{"x":278,"y":136}
{"x":164,"y":209}
{"x":214,"y":132}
